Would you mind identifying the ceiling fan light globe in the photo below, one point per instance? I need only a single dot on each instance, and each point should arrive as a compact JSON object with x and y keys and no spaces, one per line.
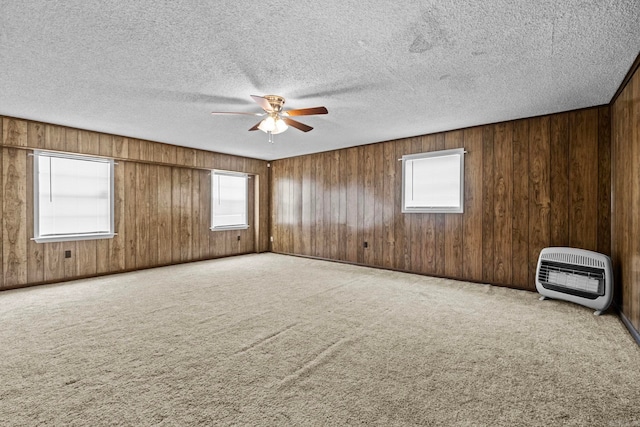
{"x":280,"y":126}
{"x":267,"y":125}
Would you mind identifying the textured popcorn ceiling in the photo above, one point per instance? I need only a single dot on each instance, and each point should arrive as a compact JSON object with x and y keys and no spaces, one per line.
{"x":156,"y":69}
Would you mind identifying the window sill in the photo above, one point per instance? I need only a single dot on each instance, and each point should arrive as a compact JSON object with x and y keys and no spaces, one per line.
{"x":230,"y":227}
{"x":73,"y":237}
{"x":432,"y":210}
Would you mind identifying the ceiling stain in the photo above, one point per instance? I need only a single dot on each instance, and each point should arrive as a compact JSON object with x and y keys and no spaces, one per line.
{"x":420,"y":45}
{"x":429,"y":33}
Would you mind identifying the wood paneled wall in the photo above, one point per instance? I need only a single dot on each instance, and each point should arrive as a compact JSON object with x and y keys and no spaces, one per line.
{"x":529,"y":184}
{"x":625,"y":113}
{"x":162,"y":206}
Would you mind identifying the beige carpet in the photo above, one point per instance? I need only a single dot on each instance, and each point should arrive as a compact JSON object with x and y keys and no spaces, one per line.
{"x":276,"y":340}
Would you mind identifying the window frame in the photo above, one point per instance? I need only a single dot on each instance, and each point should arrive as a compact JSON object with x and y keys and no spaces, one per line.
{"x":246,"y":177}
{"x":434,"y":209}
{"x":37,"y":155}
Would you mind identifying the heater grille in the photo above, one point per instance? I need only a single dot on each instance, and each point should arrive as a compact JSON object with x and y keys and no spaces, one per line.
{"x":583,"y":281}
{"x":571,"y":258}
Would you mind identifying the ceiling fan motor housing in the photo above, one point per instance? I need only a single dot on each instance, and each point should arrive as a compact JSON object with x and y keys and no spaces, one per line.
{"x":275,"y":101}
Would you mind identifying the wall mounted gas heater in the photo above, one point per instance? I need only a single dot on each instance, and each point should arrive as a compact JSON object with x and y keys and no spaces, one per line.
{"x":575,"y":275}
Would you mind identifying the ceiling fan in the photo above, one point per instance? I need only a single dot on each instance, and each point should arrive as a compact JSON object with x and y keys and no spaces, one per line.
{"x":277,"y":120}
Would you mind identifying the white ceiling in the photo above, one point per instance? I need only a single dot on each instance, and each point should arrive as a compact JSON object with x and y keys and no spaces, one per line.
{"x":156,"y":69}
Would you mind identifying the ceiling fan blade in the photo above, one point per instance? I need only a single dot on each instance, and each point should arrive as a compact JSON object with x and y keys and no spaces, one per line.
{"x":262,"y":102}
{"x":297,"y":125}
{"x":255,"y":127}
{"x":217,"y":113}
{"x":307,"y":111}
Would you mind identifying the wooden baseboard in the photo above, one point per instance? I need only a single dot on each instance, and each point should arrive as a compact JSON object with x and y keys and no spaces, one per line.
{"x":632,"y":330}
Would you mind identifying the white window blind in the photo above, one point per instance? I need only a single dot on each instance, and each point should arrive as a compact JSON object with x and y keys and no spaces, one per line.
{"x":73,"y":197}
{"x":229,"y":200}
{"x":433,"y":182}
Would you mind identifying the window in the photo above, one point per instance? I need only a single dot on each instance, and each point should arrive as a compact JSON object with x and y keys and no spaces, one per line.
{"x":229,"y":200}
{"x":73,"y":197}
{"x":433,"y":182}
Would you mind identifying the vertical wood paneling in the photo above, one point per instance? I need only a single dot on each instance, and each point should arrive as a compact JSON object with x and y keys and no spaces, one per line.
{"x":54,"y":261}
{"x":134,"y":149}
{"x":88,"y":142}
{"x":472,"y":240}
{"x":420,"y":248}
{"x":634,"y":123}
{"x":86,"y":258}
{"x":625,"y":157}
{"x":342,"y":204}
{"x":453,"y":260}
{"x":402,"y":221}
{"x":520,"y":224}
{"x":106,"y":145}
{"x":389,"y":207}
{"x":352,"y":204}
{"x":2,"y":278}
{"x":426,"y":222}
{"x":143,"y":211}
{"x":164,"y":223}
{"x":361,"y":197}
{"x":176,"y":202}
{"x":583,"y":178}
{"x":35,"y":135}
{"x":70,"y":265}
{"x":186,"y":234}
{"x":539,"y":191}
{"x":306,"y":206}
{"x":14,"y":132}
{"x":286,"y":197}
{"x":35,"y":251}
{"x":130,"y":213}
{"x":378,"y":199}
{"x":624,"y":256}
{"x":329,"y":244}
{"x":487,"y":204}
{"x":14,"y":207}
{"x":152,"y":219}
{"x":318,"y":190}
{"x":71,"y":142}
{"x":55,"y":138}
{"x":604,"y":185}
{"x":196,"y":209}
{"x":296,"y":207}
{"x":334,"y":203}
{"x":117,"y":245}
{"x":145,"y":151}
{"x":120,"y":147}
{"x":205,"y":215}
{"x":368,"y":206}
{"x":559,"y":179}
{"x":503,"y":202}
{"x":440,"y":224}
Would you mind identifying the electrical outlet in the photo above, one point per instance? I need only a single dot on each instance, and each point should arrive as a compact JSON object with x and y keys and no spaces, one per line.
{"x":271,"y":239}
{"x":67,"y":254}
{"x":238,"y":238}
{"x":366,"y":245}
